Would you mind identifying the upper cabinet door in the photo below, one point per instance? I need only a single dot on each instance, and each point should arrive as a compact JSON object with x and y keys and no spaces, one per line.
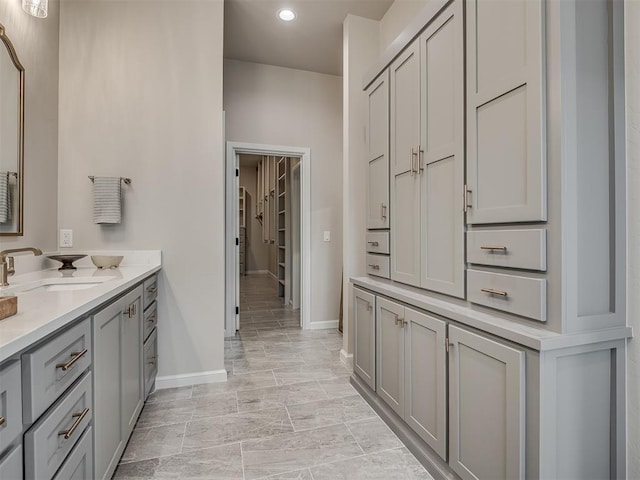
{"x":405,"y":109}
{"x":506,"y":141}
{"x":441,"y":162}
{"x":378,"y":153}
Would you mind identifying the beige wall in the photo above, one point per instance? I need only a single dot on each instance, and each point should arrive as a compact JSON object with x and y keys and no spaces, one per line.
{"x":141,"y":97}
{"x":396,"y":19}
{"x":360,"y":50}
{"x":632,"y":43}
{"x":280,"y":106}
{"x":256,"y":251}
{"x":36,"y":43}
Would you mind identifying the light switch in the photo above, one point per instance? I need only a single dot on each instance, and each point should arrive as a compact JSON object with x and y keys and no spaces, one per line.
{"x":327,"y":236}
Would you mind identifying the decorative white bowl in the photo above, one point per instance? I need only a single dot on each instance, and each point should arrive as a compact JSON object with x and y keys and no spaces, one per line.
{"x":106,"y":261}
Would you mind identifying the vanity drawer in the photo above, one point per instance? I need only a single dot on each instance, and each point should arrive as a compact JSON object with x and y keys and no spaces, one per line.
{"x":51,"y":368}
{"x":526,"y":249}
{"x":150,"y":291}
{"x":378,"y":242}
{"x":10,"y":404}
{"x":150,"y":320}
{"x":511,"y":293}
{"x":11,"y":465}
{"x":150,"y":362}
{"x":48,"y":442}
{"x":378,"y":265}
{"x":79,"y":463}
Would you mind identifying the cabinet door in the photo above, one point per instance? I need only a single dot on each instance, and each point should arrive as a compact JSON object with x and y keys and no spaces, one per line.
{"x":131,"y":354}
{"x":390,"y":353}
{"x":425,"y":379}
{"x":378,"y":153}
{"x":486,"y":407}
{"x":107,"y":390}
{"x":506,"y":156}
{"x":364,"y":355}
{"x":441,"y":163}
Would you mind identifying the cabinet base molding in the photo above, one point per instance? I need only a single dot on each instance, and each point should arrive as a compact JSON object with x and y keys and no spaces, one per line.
{"x":188,"y":379}
{"x":346,"y":358}
{"x":437,"y":467}
{"x":323,"y":325}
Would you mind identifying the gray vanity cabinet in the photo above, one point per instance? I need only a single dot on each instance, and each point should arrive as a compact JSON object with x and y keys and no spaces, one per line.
{"x":390,"y":354}
{"x":118,"y":383}
{"x":486,"y":407}
{"x":364,"y":354}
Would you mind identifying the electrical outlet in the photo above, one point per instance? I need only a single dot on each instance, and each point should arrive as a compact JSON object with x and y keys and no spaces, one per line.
{"x":327,"y":236}
{"x":66,"y":238}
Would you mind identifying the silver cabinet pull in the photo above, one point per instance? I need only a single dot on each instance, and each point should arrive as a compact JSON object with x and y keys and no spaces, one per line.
{"x":75,"y":356}
{"x":375,"y":267}
{"x":2,"y":421}
{"x":465,"y":198}
{"x":398,"y":319}
{"x":491,"y":291}
{"x":369,"y":307}
{"x":413,"y":162}
{"x":373,"y":244}
{"x":420,"y":160}
{"x":131,"y":311}
{"x":152,"y":360}
{"x":152,"y":289}
{"x":79,"y":417}
{"x":493,"y":247}
{"x":152,"y":319}
{"x":383,"y":211}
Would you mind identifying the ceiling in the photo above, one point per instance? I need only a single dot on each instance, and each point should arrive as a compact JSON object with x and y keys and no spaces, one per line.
{"x":313,"y":41}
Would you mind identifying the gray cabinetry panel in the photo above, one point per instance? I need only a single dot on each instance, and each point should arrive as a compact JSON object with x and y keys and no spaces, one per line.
{"x":378,"y":265}
{"x":48,"y":442}
{"x":79,"y":463}
{"x":150,"y":320}
{"x":486,"y":407}
{"x":364,"y":355}
{"x":390,"y":353}
{"x":51,"y":368}
{"x":10,"y":404}
{"x":150,"y":290}
{"x":11,"y":465}
{"x":526,"y":249}
{"x":131,"y":358}
{"x":150,"y":366}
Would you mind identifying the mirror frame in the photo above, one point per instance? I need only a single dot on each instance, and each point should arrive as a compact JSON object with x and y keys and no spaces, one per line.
{"x":16,"y":62}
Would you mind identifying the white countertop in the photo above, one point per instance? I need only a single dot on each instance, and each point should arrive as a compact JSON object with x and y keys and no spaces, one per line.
{"x":529,"y":336}
{"x":41,"y":313}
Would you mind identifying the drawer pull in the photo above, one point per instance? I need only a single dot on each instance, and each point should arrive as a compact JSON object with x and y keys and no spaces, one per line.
{"x":2,"y":421}
{"x":152,"y":360}
{"x":79,"y":417}
{"x":131,"y":311}
{"x":75,"y":357}
{"x":152,"y":289}
{"x":383,"y":211}
{"x":373,"y":244}
{"x":491,"y":291}
{"x":492,"y":248}
{"x":375,"y":267}
{"x":152,"y":319}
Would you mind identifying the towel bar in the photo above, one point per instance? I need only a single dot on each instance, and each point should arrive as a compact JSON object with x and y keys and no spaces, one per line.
{"x":124,"y":179}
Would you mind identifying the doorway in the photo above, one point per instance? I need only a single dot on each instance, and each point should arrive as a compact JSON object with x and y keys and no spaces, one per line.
{"x":284,"y":225}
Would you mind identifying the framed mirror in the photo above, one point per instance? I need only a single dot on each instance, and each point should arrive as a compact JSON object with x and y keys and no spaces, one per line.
{"x":11,"y":139}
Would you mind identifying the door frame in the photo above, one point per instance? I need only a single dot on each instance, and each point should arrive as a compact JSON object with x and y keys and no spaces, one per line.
{"x":232,"y":277}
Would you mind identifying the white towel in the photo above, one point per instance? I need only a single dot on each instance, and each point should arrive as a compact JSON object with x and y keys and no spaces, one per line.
{"x":5,"y":198}
{"x":107,"y":200}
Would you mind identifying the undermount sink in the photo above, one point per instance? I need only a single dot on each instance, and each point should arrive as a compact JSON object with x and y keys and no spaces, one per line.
{"x":62,"y":284}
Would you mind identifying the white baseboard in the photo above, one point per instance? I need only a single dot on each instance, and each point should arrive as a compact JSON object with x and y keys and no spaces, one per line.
{"x":323,"y":325}
{"x":187,"y":379}
{"x":256,"y":272}
{"x":347,"y":359}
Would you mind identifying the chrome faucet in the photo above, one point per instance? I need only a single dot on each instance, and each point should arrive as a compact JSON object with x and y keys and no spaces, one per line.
{"x":6,"y":263}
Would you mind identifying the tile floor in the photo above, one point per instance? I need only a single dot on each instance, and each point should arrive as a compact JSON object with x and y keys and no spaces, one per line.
{"x":286,"y":412}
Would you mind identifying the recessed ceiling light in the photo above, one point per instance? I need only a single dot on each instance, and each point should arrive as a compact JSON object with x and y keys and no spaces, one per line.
{"x":286,"y":14}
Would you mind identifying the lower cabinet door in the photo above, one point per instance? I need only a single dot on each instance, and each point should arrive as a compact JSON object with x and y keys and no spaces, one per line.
{"x":425,"y":379}
{"x":486,"y":407}
{"x":11,"y":465}
{"x":131,"y":373}
{"x":390,"y":353}
{"x":364,"y":354}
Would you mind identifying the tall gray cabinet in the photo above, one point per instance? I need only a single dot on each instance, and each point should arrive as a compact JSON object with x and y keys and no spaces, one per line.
{"x":500,"y":331}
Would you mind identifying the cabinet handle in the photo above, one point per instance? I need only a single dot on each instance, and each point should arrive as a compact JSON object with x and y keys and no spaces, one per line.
{"x":420,"y":160}
{"x":152,"y":360}
{"x":152,"y":289}
{"x":491,"y":291}
{"x":131,"y":311}
{"x":152,"y":319}
{"x":75,"y":356}
{"x":413,"y":161}
{"x":375,"y":267}
{"x":491,"y":248}
{"x":79,"y":417}
{"x":373,"y":244}
{"x":2,"y":421}
{"x":465,"y":198}
{"x":383,"y":211}
{"x":369,"y":308}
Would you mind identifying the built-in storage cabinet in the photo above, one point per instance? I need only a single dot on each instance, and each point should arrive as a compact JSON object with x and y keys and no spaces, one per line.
{"x":378,"y":153}
{"x":427,"y":148}
{"x":506,"y":111}
{"x":364,"y":354}
{"x":118,"y":380}
{"x":486,"y":407}
{"x":10,"y":405}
